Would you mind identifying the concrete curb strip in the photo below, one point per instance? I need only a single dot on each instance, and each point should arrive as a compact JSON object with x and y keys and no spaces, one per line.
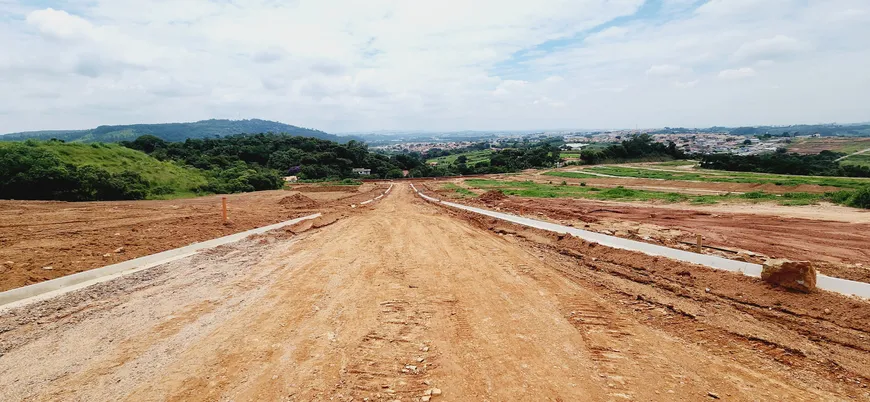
{"x":55,"y":287}
{"x":825,"y":282}
{"x":366,"y":202}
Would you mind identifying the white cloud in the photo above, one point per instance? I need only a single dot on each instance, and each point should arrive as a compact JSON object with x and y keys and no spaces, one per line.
{"x":508,"y":87}
{"x":611,"y":33}
{"x":667,"y":70}
{"x":777,"y":47}
{"x":59,"y":24}
{"x":387,"y":64}
{"x":737,"y":73}
{"x":686,"y":84}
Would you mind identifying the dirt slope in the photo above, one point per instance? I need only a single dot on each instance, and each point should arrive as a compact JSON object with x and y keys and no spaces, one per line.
{"x":387,"y":304}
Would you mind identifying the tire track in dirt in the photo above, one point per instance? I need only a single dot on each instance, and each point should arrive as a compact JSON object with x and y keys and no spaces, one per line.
{"x":385,"y":304}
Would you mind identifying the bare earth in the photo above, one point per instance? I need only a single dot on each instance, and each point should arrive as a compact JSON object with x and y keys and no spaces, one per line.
{"x":46,"y":240}
{"x":404,"y":299}
{"x":833,"y":237}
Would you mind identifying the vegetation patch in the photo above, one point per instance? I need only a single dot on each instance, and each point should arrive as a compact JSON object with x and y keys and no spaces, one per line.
{"x":463,"y":192}
{"x":857,"y":160}
{"x":676,"y":163}
{"x":729,"y":177}
{"x":572,"y":175}
{"x":541,"y":190}
{"x":823,"y":164}
{"x":54,"y":170}
{"x":638,"y":147}
{"x":472,"y":157}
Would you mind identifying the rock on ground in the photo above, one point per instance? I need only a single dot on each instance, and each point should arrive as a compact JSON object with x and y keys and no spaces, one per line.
{"x":794,"y":275}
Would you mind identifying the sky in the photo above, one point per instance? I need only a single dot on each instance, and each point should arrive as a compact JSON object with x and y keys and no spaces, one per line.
{"x":366,"y":65}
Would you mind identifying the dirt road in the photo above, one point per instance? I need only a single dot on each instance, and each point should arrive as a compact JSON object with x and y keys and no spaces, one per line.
{"x":396,"y":302}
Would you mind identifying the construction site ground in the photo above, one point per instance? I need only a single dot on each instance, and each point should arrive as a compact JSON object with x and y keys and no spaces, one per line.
{"x":42,"y":240}
{"x":405,"y":300}
{"x":834,"y":238}
{"x":672,"y":186}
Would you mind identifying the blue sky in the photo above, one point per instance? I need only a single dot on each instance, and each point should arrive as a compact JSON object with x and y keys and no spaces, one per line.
{"x":344,"y":65}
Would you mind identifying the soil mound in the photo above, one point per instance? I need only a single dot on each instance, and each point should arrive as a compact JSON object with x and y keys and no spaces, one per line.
{"x":298,"y":201}
{"x":492,"y":196}
{"x":794,"y":275}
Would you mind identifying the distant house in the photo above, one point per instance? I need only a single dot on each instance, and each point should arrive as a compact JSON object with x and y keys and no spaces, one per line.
{"x":362,"y":171}
{"x":575,"y":146}
{"x":291,"y":179}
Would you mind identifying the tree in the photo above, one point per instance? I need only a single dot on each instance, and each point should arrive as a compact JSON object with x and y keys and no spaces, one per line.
{"x":147,"y":143}
{"x":747,"y":142}
{"x":395,"y":174}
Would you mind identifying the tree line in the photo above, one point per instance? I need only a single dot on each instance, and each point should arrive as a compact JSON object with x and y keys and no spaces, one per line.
{"x":822,"y":164}
{"x":637,"y":146}
{"x":31,"y":173}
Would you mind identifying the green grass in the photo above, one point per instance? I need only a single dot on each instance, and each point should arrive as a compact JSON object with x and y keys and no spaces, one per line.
{"x":116,"y":159}
{"x":540,"y":190}
{"x":837,"y":144}
{"x":473,"y":157}
{"x":677,"y":163}
{"x":732,"y":177}
{"x":463,"y":192}
{"x":572,"y":175}
{"x":860,"y":159}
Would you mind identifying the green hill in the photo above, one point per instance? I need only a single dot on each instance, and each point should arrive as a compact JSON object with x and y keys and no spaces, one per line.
{"x":171,"y":179}
{"x":174,"y":132}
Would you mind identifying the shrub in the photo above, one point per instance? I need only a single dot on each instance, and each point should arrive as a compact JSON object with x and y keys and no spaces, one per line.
{"x":839,"y":197}
{"x":241,"y":178}
{"x":755,"y":195}
{"x":395,"y":174}
{"x":860,"y":198}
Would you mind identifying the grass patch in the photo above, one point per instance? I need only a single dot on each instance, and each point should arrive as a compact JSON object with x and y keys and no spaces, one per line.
{"x":732,"y":177}
{"x":860,"y":160}
{"x":541,"y":190}
{"x":677,"y":163}
{"x":473,"y":158}
{"x":572,"y":175}
{"x":837,"y":144}
{"x":464,"y":192}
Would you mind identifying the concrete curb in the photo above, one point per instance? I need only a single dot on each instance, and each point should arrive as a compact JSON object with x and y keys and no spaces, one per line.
{"x":387,"y":191}
{"x":55,"y":287}
{"x":838,"y":285}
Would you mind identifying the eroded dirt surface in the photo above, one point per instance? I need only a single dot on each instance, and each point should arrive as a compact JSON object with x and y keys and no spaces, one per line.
{"x":396,"y":300}
{"x":839,"y":249}
{"x":46,"y":240}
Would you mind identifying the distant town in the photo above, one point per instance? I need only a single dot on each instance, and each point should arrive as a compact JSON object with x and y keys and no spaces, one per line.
{"x":701,"y":142}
